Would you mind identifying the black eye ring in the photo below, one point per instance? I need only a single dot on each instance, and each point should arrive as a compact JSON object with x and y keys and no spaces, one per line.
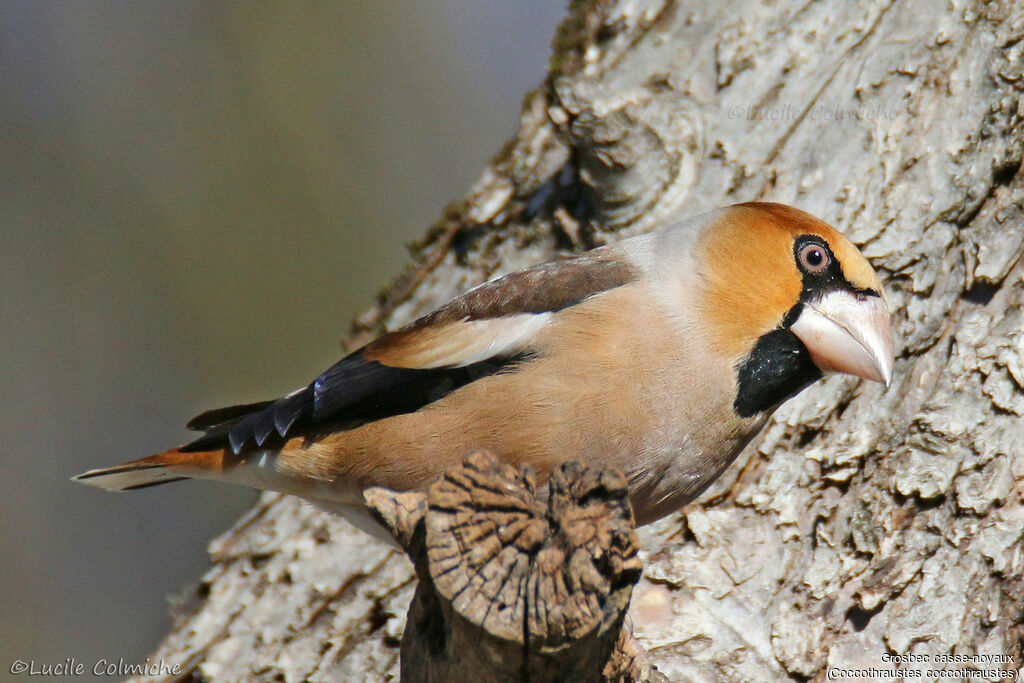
{"x":813,"y":258}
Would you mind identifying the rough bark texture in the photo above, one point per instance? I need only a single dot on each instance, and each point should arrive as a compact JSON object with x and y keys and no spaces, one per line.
{"x":864,"y":520}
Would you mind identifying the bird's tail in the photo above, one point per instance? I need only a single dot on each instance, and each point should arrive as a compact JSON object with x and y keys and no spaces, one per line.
{"x":162,"y":468}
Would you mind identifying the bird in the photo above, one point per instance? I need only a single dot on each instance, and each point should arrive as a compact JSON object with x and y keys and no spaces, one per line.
{"x":661,"y":354}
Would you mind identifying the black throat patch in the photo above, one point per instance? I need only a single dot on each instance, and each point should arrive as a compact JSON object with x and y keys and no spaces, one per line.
{"x":778,"y":367}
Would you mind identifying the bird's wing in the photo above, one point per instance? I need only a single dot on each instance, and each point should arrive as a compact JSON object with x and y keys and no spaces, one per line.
{"x":477,"y":334}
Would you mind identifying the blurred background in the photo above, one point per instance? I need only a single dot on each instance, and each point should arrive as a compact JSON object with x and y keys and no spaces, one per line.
{"x":195,"y":199}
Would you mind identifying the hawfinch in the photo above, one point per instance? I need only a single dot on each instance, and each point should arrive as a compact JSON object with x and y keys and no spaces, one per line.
{"x":661,"y":355}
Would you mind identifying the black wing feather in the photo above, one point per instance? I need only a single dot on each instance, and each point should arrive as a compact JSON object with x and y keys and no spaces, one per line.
{"x":289,"y":409}
{"x":215,"y":418}
{"x":353,"y":380}
{"x":264,"y":426}
{"x":353,"y":391}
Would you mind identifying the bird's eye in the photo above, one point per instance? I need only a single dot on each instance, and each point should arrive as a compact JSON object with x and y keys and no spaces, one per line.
{"x":813,"y":258}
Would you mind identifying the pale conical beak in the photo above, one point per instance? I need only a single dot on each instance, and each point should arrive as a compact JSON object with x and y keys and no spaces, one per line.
{"x":848,"y":332}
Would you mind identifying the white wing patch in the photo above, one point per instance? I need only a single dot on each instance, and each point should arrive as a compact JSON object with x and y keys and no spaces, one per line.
{"x":461,"y":343}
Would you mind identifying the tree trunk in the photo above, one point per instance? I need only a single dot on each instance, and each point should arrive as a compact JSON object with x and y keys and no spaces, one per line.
{"x":864,"y":522}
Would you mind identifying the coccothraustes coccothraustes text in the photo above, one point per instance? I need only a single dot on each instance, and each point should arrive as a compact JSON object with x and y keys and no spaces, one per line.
{"x":661,"y":355}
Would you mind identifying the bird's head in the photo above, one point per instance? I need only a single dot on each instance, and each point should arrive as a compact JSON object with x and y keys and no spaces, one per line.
{"x":788,"y":297}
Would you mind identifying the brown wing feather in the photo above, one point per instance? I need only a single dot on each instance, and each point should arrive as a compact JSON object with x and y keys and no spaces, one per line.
{"x":498,"y":317}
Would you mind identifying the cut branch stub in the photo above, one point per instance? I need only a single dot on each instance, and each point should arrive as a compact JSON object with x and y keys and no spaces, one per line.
{"x":399,"y":513}
{"x":497,"y":554}
{"x":516,"y":582}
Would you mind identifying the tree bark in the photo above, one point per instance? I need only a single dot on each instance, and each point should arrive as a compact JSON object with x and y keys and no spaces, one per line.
{"x":864,"y":522}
